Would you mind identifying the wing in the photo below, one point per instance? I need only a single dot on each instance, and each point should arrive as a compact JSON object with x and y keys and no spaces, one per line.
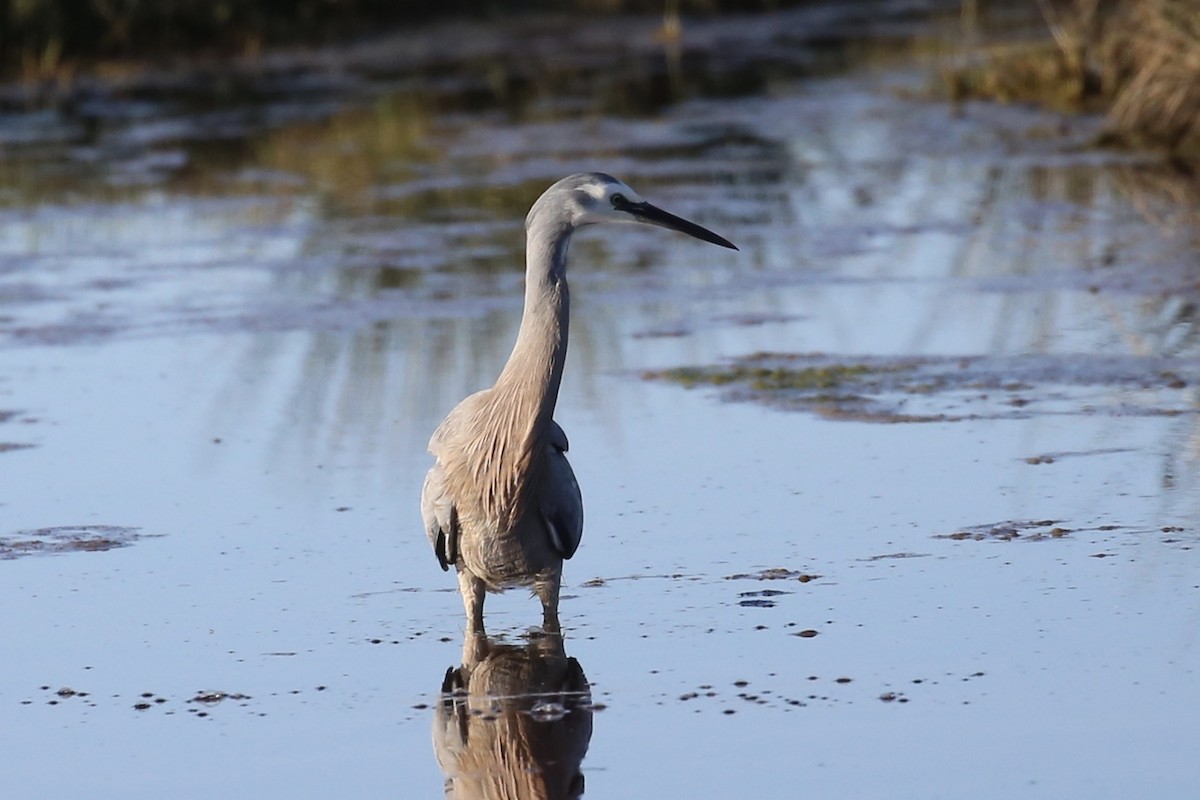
{"x":560,"y":501}
{"x":441,"y":517}
{"x":438,"y":508}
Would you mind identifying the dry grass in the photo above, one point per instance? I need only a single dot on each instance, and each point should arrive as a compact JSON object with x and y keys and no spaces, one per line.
{"x":1060,"y":73}
{"x":1138,"y":61}
{"x":1027,"y":72}
{"x":1156,"y":55}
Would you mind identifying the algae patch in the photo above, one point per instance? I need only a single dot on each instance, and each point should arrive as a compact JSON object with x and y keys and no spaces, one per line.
{"x":767,"y":378}
{"x":949,"y":388}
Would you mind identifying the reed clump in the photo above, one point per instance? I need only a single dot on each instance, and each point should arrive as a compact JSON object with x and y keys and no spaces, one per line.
{"x":1136,"y":61}
{"x":1154,"y":55}
{"x":1065,"y":72}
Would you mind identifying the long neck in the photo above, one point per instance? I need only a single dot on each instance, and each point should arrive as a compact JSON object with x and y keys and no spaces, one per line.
{"x":514,"y":425}
{"x":531,"y":378}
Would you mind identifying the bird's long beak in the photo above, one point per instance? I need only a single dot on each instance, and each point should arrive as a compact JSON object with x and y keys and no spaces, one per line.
{"x":653,"y":215}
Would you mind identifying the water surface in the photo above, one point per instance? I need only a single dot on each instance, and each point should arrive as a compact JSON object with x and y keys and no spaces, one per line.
{"x":229,"y":324}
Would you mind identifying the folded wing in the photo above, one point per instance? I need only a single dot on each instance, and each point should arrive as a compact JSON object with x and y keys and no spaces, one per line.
{"x":441,"y":518}
{"x":559,"y":500}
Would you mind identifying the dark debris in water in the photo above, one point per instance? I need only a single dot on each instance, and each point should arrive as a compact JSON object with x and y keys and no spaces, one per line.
{"x":891,"y":556}
{"x":213,"y":697}
{"x":816,"y":690}
{"x":1050,"y":529}
{"x":8,"y":416}
{"x":760,"y":599}
{"x":200,"y":704}
{"x":949,"y":388}
{"x":774,"y":574}
{"x":67,"y":539}
{"x":1012,"y":530}
{"x":1051,"y":458}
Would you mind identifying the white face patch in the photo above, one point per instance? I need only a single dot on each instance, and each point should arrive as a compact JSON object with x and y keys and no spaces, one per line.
{"x":603,"y":191}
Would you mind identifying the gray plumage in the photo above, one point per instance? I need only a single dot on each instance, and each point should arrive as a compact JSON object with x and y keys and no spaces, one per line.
{"x":501,"y":503}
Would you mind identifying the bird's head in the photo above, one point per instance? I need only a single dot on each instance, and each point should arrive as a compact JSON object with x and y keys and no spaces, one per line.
{"x":594,"y":197}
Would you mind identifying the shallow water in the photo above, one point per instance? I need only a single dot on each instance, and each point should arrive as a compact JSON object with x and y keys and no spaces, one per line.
{"x":226,"y":335}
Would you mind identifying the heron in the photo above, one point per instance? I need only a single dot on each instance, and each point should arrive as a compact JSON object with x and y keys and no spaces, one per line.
{"x":501,"y":503}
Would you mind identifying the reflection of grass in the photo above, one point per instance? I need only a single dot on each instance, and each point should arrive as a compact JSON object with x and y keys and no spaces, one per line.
{"x":1167,"y":195}
{"x":43,"y":39}
{"x":347,"y":155}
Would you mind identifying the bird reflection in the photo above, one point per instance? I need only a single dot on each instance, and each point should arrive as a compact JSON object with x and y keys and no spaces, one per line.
{"x":513,"y":722}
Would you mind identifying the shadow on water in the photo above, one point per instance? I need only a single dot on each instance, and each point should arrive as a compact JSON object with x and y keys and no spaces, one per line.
{"x":513,"y":722}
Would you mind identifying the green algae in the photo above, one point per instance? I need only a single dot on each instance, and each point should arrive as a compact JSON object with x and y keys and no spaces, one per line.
{"x":767,"y":378}
{"x":885,"y":389}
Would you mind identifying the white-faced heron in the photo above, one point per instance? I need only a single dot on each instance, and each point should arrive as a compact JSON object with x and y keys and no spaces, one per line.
{"x":501,"y":503}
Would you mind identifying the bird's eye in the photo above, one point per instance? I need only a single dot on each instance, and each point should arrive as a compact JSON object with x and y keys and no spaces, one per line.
{"x":618,"y":200}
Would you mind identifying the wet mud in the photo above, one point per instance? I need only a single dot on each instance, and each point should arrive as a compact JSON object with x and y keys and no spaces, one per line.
{"x":67,"y":539}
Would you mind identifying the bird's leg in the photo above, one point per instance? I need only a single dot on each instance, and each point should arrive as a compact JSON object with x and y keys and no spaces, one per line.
{"x":472,"y":594}
{"x":547,"y":591}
